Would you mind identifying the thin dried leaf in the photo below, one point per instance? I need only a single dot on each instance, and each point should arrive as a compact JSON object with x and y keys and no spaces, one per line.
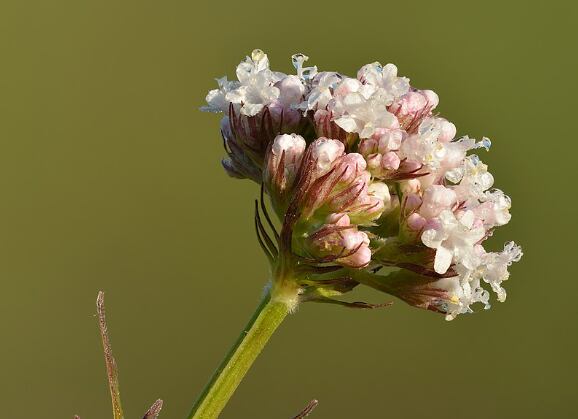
{"x":111,"y":369}
{"x":308,"y":409}
{"x":154,"y":411}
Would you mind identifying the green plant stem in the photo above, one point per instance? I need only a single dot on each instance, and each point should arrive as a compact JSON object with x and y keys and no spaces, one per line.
{"x":268,"y":316}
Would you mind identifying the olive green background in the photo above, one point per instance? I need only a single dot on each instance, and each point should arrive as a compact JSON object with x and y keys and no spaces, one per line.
{"x":110,"y":179}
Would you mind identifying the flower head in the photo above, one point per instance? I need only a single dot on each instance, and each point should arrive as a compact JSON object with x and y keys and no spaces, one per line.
{"x":362,"y":176}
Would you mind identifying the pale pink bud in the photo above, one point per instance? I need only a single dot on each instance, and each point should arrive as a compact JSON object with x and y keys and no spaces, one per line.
{"x":410,"y":103}
{"x":412,"y":202}
{"x":413,"y":107}
{"x":390,"y":161}
{"x":380,"y":190}
{"x":390,"y":140}
{"x":292,"y":146}
{"x":237,"y":164}
{"x":436,"y":294}
{"x":361,"y":257}
{"x":368,"y":146}
{"x":282,"y":163}
{"x":339,"y":241}
{"x":416,"y":222}
{"x":325,"y":127}
{"x":432,"y":98}
{"x":447,"y":131}
{"x":325,"y":151}
{"x":350,"y":166}
{"x":340,"y":219}
{"x":373,"y":162}
{"x":437,"y":198}
{"x":411,"y":186}
{"x":285,"y":117}
{"x":336,"y":182}
{"x":367,"y":209}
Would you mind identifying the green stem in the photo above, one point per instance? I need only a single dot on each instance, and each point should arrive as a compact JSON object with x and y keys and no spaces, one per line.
{"x":268,"y":316}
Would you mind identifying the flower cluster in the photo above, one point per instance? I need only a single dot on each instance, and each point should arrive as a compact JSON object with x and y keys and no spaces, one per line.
{"x":364,"y":177}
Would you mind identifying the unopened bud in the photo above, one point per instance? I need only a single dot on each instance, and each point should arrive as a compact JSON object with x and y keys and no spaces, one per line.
{"x":340,"y":242}
{"x":283,"y":162}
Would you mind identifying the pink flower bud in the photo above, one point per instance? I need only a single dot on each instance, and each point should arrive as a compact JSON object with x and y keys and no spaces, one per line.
{"x":413,"y":107}
{"x":390,"y":161}
{"x":237,"y":164}
{"x":340,"y":242}
{"x":368,"y":146}
{"x":325,"y":152}
{"x":283,"y":162}
{"x":379,"y":190}
{"x":436,"y":198}
{"x":361,"y":257}
{"x":351,"y":166}
{"x":287,"y":118}
{"x":409,"y":104}
{"x":432,"y":98}
{"x":447,"y":131}
{"x":292,"y":146}
{"x":334,"y":182}
{"x":416,"y":222}
{"x":325,"y":126}
{"x":390,"y":140}
{"x":411,"y":186}
{"x":253,"y":135}
{"x":338,"y":219}
{"x":441,"y":295}
{"x":412,"y":202}
{"x":374,"y":163}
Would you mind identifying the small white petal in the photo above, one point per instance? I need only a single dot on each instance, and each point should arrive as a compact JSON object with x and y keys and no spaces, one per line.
{"x":443,"y":260}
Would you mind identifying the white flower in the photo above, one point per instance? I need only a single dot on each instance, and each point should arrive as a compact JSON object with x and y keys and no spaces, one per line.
{"x":256,"y":65}
{"x":494,"y":268}
{"x":424,"y":148}
{"x":216,"y":101}
{"x":494,"y":210}
{"x":386,"y":78}
{"x":254,"y":90}
{"x":464,"y":291}
{"x":473,"y":177}
{"x":291,"y":91}
{"x":364,"y":112}
{"x":322,"y":91}
{"x":454,"y":239}
{"x":257,"y":88}
{"x":304,"y":73}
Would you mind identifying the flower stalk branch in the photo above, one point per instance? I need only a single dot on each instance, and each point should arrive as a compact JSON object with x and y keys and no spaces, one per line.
{"x":266,"y":319}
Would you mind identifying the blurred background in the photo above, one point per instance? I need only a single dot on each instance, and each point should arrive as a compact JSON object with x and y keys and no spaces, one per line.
{"x":110,"y":180}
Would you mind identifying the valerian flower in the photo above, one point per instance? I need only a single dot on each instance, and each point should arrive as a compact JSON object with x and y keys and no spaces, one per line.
{"x":368,"y":184}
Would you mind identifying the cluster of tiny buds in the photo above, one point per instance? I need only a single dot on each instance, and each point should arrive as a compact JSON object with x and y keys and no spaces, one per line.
{"x":363,"y":176}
